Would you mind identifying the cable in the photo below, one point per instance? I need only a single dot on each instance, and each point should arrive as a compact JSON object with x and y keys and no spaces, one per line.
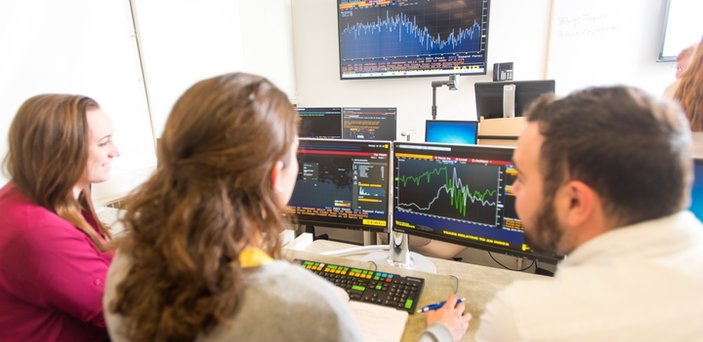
{"x":534,"y":261}
{"x":456,"y":287}
{"x":356,"y":250}
{"x":375,"y":267}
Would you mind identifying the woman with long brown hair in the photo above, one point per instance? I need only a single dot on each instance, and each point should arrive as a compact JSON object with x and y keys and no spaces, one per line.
{"x":689,"y":92}
{"x":54,"y":252}
{"x":202,"y":233}
{"x":201,"y":253}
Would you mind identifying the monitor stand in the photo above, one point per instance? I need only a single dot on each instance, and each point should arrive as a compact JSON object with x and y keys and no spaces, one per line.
{"x":399,"y":255}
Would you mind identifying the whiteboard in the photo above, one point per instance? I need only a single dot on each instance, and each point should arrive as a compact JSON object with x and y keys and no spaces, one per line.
{"x":82,"y":47}
{"x":605,"y":42}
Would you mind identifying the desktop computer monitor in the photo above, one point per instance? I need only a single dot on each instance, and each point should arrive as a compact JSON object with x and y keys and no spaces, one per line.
{"x":509,"y":98}
{"x":342,"y":184}
{"x":320,"y":122}
{"x":369,"y":123}
{"x":697,"y":191}
{"x":451,"y":132}
{"x":460,"y":194}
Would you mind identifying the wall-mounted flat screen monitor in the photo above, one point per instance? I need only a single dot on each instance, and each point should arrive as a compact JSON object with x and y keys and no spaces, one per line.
{"x":320,"y":122}
{"x":403,"y":38}
{"x":342,"y":184}
{"x":460,"y":194}
{"x":451,"y":132}
{"x":697,"y":191}
{"x":369,"y":123}
{"x":491,"y":102}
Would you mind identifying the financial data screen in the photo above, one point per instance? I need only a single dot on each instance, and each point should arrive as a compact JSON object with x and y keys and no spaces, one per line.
{"x":342,"y":184}
{"x":460,"y":194}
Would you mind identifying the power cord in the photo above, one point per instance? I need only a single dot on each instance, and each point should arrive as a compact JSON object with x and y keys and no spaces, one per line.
{"x":534,"y":263}
{"x":456,"y":286}
{"x":375,"y":266}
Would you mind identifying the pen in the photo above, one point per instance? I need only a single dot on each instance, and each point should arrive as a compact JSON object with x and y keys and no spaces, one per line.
{"x":438,"y":305}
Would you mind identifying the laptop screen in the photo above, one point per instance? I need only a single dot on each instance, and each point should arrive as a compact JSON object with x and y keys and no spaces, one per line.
{"x":697,"y":191}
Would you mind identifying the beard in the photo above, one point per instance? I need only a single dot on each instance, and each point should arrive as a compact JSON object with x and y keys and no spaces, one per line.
{"x":545,"y":235}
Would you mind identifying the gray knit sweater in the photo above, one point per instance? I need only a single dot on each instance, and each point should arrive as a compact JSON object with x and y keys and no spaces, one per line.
{"x":281,"y":302}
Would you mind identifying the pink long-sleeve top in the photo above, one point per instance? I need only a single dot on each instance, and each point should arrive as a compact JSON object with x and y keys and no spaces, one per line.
{"x":52,"y":276}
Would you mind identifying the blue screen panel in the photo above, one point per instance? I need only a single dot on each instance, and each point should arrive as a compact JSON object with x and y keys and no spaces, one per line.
{"x":451,"y":132}
{"x":697,"y":192}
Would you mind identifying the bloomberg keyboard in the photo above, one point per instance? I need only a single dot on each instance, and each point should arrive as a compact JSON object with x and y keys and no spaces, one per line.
{"x":382,"y":288}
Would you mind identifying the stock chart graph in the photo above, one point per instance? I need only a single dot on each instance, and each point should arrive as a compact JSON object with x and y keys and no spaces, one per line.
{"x":464,"y":192}
{"x":460,"y":194}
{"x":402,"y":35}
{"x":412,"y":37}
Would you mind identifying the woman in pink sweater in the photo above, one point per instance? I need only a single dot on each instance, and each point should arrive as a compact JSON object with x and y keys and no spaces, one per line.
{"x":54,"y":252}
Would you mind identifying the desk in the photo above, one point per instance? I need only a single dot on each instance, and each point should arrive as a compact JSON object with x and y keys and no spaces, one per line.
{"x":500,"y":131}
{"x":477,"y":283}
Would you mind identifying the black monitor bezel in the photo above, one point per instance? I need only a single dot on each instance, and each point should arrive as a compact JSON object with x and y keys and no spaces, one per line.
{"x":325,"y":109}
{"x":475,"y":122}
{"x":311,"y":221}
{"x":480,"y":152}
{"x":483,"y":88}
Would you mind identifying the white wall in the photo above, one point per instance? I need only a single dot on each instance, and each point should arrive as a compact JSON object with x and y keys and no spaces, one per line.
{"x":316,"y":51}
{"x":79,"y":47}
{"x":185,"y":41}
{"x":519,"y":33}
{"x":90,"y":47}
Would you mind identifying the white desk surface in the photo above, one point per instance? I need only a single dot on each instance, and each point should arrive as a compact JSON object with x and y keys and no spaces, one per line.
{"x":477,"y":283}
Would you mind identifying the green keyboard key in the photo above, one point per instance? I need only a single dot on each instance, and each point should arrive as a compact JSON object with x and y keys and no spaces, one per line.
{"x":358,"y":288}
{"x":405,"y":290}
